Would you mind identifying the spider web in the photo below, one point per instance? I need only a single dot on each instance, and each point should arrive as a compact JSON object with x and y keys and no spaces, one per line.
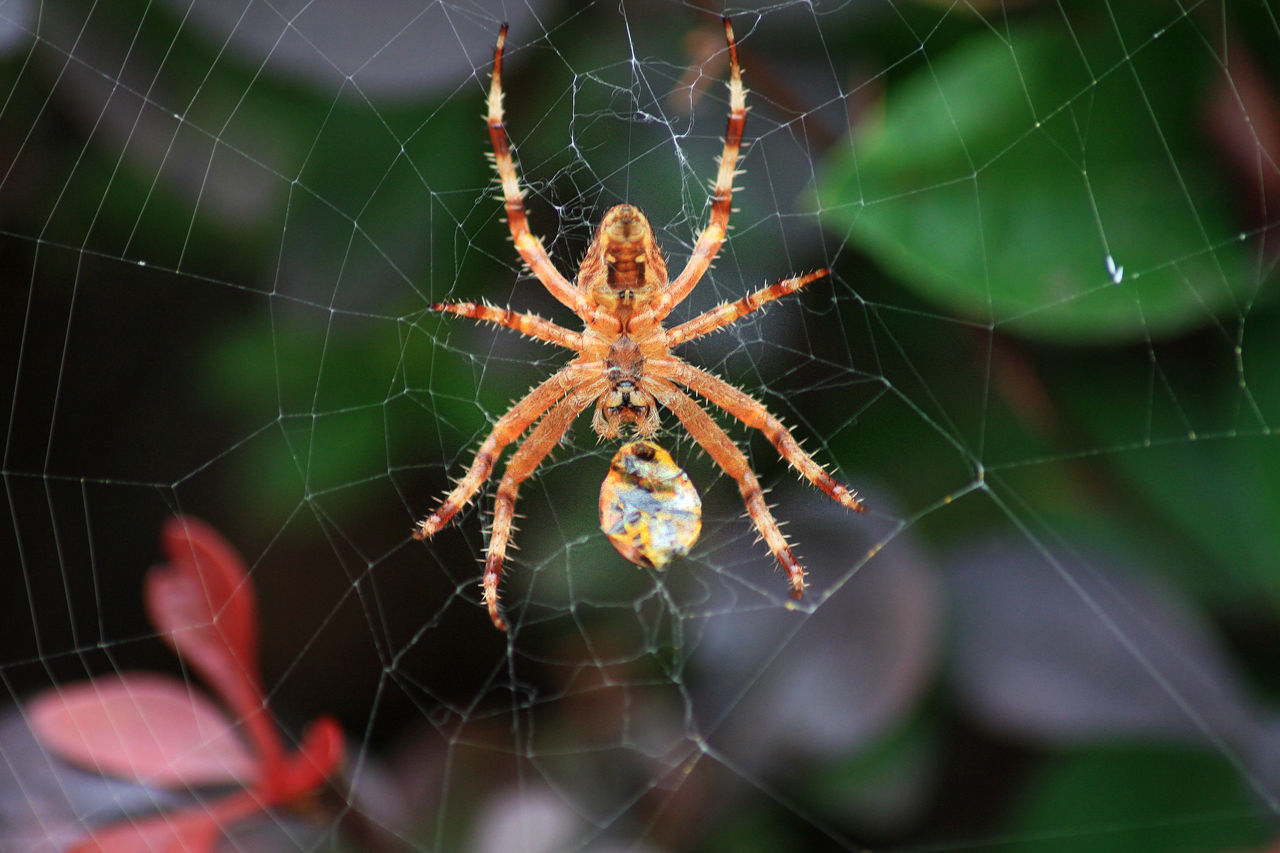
{"x":1046,"y":356}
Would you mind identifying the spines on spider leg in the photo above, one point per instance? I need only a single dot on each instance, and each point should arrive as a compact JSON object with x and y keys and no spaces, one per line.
{"x":789,"y":449}
{"x":502,"y":157}
{"x":527,"y":244}
{"x":503,"y":519}
{"x":465,"y":489}
{"x":730,"y":312}
{"x":727,"y":162}
{"x":782,"y":439}
{"x":497,"y":126}
{"x":751,"y":412}
{"x":449,"y":507}
{"x":530,"y":325}
{"x":779,"y":289}
{"x":837,"y":491}
{"x":771,"y":532}
{"x":727,"y":166}
{"x":716,"y":442}
{"x":713,"y":235}
{"x":508,"y":428}
{"x":458,"y":498}
{"x":522,"y":464}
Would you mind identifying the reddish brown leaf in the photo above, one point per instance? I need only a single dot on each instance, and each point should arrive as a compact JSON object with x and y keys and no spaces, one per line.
{"x":203,"y":604}
{"x":321,"y":753}
{"x":1243,"y":123}
{"x":157,"y":731}
{"x":142,"y":727}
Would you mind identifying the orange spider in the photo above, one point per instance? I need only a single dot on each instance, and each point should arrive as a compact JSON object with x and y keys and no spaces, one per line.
{"x":624,"y":362}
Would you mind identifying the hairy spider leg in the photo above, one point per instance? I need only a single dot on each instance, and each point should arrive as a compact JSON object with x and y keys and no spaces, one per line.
{"x":527,"y":244}
{"x":729,"y":457}
{"x":704,"y":251}
{"x":522,"y":464}
{"x":731,"y":312}
{"x":508,"y":428}
{"x":753,"y":413}
{"x":647,"y":366}
{"x":526,"y":324}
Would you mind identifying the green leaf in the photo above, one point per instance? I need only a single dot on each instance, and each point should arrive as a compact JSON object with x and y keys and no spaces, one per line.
{"x":1125,"y":798}
{"x":1003,"y":175}
{"x":1191,"y":437}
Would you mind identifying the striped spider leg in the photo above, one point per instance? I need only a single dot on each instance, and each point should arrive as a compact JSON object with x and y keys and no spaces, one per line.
{"x":623,"y":363}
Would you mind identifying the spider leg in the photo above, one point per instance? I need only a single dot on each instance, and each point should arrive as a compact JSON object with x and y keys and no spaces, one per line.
{"x":527,"y":457}
{"x":754,"y":414}
{"x":704,"y":251}
{"x":508,"y":428}
{"x":526,"y":324}
{"x":729,"y":457}
{"x":731,"y":312}
{"x":527,"y":244}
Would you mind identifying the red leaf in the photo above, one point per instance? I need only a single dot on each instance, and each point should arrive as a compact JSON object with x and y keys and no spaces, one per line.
{"x":156,"y":730}
{"x":142,"y":727}
{"x":202,"y":600}
{"x":322,"y":752}
{"x":203,"y":604}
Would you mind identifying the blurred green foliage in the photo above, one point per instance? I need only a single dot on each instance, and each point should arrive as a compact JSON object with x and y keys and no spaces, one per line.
{"x":994,"y":181}
{"x":1122,"y":797}
{"x":1003,"y":174}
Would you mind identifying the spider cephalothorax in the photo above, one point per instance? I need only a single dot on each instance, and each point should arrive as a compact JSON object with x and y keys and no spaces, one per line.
{"x":621,"y":274}
{"x":624,"y":363}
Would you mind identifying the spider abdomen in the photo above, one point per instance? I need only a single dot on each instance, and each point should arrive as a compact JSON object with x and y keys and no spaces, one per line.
{"x":624,"y":267}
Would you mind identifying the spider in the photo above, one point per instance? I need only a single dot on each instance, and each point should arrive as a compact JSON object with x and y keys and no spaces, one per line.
{"x":624,"y":364}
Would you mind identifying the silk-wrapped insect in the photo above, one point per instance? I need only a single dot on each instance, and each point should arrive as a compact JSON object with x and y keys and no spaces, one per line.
{"x":649,"y":507}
